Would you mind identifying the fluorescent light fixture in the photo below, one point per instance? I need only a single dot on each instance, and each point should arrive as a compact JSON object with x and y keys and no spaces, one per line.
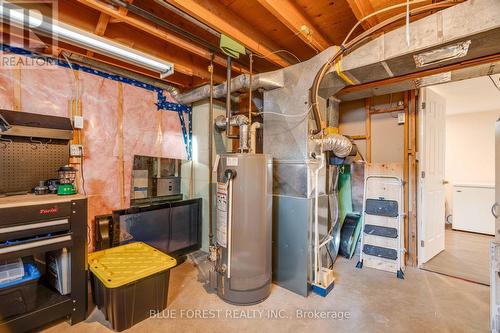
{"x":445,"y":53}
{"x":433,"y":79}
{"x":67,"y":33}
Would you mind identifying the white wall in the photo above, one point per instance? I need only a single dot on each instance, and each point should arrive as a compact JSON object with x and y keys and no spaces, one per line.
{"x":387,"y":136}
{"x":470,"y":150}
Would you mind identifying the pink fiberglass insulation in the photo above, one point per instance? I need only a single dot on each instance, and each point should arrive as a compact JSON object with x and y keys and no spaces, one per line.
{"x":146,"y":131}
{"x":100,"y":140}
{"x":51,"y":92}
{"x":6,"y":88}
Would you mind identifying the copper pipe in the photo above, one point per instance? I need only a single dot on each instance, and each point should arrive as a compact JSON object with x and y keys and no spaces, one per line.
{"x":228,"y":101}
{"x":250,"y":90}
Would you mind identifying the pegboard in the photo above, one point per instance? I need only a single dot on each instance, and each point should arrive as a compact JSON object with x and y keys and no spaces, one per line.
{"x":24,"y":164}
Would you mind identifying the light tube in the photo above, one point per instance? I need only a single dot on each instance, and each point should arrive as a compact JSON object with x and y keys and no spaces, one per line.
{"x":72,"y":35}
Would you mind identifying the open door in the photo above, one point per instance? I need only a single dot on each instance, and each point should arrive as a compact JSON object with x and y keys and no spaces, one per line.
{"x":431,"y":198}
{"x":495,"y":209}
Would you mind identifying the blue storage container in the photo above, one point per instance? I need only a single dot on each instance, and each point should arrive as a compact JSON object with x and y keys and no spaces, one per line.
{"x":19,"y":296}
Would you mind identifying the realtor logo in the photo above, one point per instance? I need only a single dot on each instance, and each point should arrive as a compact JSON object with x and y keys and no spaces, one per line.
{"x":28,"y":25}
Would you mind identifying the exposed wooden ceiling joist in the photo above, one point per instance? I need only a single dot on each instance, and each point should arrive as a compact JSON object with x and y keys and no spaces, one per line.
{"x":362,"y":8}
{"x":100,"y":28}
{"x":17,"y":37}
{"x":102,"y":24}
{"x":288,"y":14}
{"x":424,"y":73}
{"x":223,"y":20}
{"x":186,"y":64}
{"x":160,"y":33}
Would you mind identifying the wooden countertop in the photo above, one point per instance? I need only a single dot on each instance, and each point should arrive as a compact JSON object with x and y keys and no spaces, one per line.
{"x":31,"y":199}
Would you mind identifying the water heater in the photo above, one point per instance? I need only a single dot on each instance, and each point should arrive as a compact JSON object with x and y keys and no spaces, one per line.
{"x":242,"y":252}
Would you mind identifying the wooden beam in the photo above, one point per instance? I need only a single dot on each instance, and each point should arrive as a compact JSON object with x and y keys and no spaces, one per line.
{"x":102,"y":24}
{"x":428,"y":72}
{"x":362,"y":8}
{"x":137,"y":39}
{"x":121,"y":162}
{"x":217,"y":16}
{"x":387,"y":110}
{"x":288,"y":14}
{"x":100,"y":28}
{"x":406,"y":176}
{"x":159,"y":33}
{"x":413,"y":168}
{"x":368,"y":130}
{"x":17,"y":85}
{"x":176,"y":79}
{"x":357,"y":137}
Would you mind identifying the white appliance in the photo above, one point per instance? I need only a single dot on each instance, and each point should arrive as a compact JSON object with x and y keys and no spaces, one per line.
{"x":495,"y":245}
{"x":472,"y":208}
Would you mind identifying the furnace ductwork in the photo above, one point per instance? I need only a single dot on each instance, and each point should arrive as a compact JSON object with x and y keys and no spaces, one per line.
{"x":267,"y":81}
{"x":339,"y":145}
{"x":239,"y":120}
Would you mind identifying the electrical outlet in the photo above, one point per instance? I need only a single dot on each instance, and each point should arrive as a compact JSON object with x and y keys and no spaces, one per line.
{"x":401,"y":118}
{"x":78,"y":122}
{"x":76,"y":150}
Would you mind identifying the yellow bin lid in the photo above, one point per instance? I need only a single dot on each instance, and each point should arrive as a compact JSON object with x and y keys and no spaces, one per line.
{"x":128,"y":263}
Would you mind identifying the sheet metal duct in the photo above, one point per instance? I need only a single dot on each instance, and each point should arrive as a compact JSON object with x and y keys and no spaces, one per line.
{"x":266,"y":81}
{"x":475,"y":23}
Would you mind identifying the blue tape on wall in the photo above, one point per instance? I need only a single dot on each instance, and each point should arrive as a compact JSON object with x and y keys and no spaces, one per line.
{"x":161,"y":104}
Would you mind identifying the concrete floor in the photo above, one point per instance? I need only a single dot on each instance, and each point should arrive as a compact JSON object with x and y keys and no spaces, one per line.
{"x":466,"y":256}
{"x":375,"y":301}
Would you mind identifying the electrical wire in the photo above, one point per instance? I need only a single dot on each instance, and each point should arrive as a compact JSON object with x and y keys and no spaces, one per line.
{"x":311,"y":42}
{"x":345,"y":46}
{"x":278,"y":51}
{"x":301,"y":115}
{"x":77,"y":99}
{"x":494,"y":83}
{"x":76,"y":91}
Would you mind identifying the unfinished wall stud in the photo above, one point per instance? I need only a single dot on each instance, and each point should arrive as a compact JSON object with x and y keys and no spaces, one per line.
{"x":16,"y":73}
{"x":368,"y":129}
{"x":121,"y":163}
{"x":413,"y":167}
{"x":406,"y":176}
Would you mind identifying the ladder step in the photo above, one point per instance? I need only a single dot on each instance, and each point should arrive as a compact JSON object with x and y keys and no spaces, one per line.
{"x":381,"y":207}
{"x":377,"y":230}
{"x":381,"y":252}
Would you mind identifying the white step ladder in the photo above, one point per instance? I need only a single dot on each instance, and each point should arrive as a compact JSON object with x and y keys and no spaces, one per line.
{"x":382,"y":244}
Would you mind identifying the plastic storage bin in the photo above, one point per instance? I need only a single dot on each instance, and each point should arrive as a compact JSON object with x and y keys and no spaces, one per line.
{"x":11,"y":270}
{"x":19,"y":296}
{"x":130,"y":281}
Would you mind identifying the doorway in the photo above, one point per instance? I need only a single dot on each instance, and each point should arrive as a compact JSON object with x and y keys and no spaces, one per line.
{"x":457,"y":176}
